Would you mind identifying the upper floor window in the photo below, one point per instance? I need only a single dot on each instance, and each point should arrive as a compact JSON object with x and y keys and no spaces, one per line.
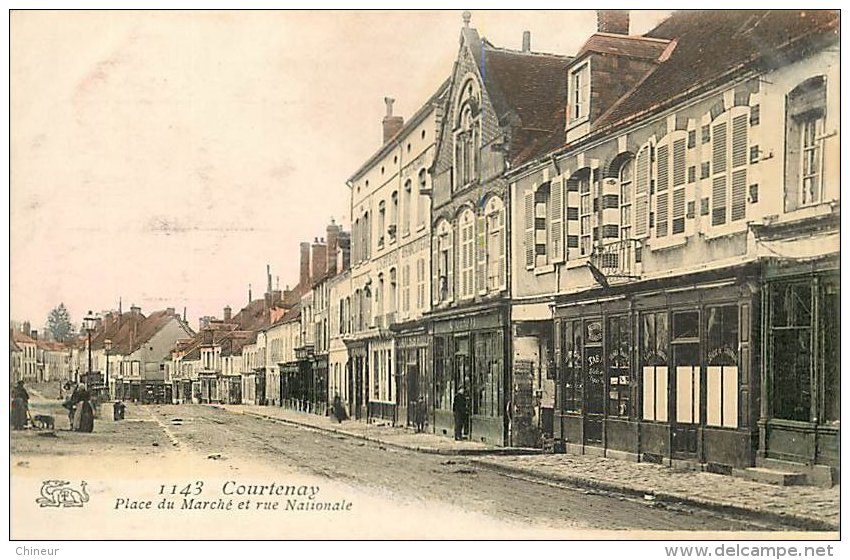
{"x":421,"y":206}
{"x":580,"y":93}
{"x":467,"y":258}
{"x":804,"y":137}
{"x":467,"y":138}
{"x":405,"y":207}
{"x":495,"y":219}
{"x":625,"y":175}
{"x":382,"y":222}
{"x":443,"y":262}
{"x":393,"y":222}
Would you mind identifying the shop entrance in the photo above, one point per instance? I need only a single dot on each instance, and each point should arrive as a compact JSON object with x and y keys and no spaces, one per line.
{"x":594,"y":394}
{"x":686,"y":385}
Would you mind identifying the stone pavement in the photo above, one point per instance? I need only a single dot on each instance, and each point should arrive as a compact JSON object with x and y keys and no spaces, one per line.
{"x":808,"y":507}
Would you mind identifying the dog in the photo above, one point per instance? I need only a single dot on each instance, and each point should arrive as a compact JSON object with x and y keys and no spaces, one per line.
{"x":43,"y":422}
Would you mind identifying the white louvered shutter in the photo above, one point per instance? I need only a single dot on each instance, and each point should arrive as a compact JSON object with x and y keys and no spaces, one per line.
{"x":739,"y":168}
{"x":450,"y":273}
{"x":481,"y":250}
{"x":503,"y":265}
{"x":435,"y":269}
{"x":662,"y":195}
{"x":556,"y":219}
{"x":528,"y":239}
{"x":719,"y":161}
{"x":642,"y":192}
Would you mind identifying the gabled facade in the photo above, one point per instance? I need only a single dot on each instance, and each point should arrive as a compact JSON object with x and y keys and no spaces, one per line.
{"x":681,"y":251}
{"x":501,"y":106}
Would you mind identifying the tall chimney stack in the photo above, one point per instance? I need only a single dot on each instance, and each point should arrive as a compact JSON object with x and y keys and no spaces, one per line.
{"x":269,"y":278}
{"x":227,"y":314}
{"x":392,"y":124}
{"x":320,"y":260}
{"x":526,"y":41}
{"x":333,"y":246}
{"x":612,"y":21}
{"x":304,"y":278}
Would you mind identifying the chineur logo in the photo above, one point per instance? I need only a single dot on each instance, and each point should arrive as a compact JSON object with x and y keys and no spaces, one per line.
{"x":58,"y":493}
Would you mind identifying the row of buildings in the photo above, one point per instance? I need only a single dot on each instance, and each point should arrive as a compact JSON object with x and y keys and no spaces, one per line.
{"x":630,"y":251}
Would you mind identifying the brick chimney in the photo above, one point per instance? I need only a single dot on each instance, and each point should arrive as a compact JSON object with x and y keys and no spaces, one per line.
{"x":319,"y":263}
{"x":34,"y":334}
{"x":304,"y":278}
{"x":612,"y":21}
{"x":227,"y":314}
{"x":391,"y":124}
{"x":526,"y":41}
{"x":333,"y":246}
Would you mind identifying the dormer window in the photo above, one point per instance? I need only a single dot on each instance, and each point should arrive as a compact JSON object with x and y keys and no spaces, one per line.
{"x":580,"y":93}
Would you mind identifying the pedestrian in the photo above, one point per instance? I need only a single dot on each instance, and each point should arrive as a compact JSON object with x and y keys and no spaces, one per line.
{"x":19,"y":408}
{"x":83,"y":412}
{"x":339,"y":409}
{"x":421,"y":414}
{"x":459,"y":409}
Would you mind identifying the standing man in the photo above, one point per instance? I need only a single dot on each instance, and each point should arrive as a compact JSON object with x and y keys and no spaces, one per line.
{"x":459,"y":409}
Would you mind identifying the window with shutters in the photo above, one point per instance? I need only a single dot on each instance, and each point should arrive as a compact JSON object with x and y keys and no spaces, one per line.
{"x":572,"y":223}
{"x":541,"y":220}
{"x":466,"y":227}
{"x":662,"y":188}
{"x":804,"y":138}
{"x":382,"y":222}
{"x":422,"y":202}
{"x":420,"y":284}
{"x":585,"y":213}
{"x":555,"y":221}
{"x":392,"y":226}
{"x":496,"y":265}
{"x":626,"y":198}
{"x":405,"y":289}
{"x":729,"y":164}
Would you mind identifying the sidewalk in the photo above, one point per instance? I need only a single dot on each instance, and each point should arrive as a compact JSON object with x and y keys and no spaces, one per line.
{"x":807,"y":507}
{"x":380,"y":432}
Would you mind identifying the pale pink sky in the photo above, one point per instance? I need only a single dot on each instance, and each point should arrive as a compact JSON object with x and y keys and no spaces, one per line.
{"x":167,"y":157}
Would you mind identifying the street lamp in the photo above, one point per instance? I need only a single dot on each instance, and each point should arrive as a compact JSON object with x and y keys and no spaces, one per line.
{"x":107,"y":346}
{"x":89,"y":324}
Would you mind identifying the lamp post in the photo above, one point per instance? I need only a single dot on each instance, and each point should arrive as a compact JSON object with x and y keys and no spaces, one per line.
{"x":88,"y":325}
{"x":107,"y":346}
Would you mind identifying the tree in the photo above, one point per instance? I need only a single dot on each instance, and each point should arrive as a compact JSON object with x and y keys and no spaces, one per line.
{"x":59,"y":323}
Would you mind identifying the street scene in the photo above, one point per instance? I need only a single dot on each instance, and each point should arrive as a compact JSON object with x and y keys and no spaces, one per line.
{"x":492,"y":283}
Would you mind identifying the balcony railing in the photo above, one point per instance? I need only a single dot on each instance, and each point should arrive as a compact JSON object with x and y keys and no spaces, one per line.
{"x":619,"y":259}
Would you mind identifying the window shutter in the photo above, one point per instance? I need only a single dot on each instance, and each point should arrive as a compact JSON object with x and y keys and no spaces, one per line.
{"x":719,"y":159}
{"x":642,"y":192}
{"x":481,"y":246}
{"x":739,"y":140}
{"x":529,"y":229}
{"x":450,"y":273}
{"x":662,"y":199}
{"x":718,"y":148}
{"x":503,"y":268}
{"x":739,"y":194}
{"x":718,"y":199}
{"x":679,"y":162}
{"x":556,"y":219}
{"x":435,"y":269}
{"x":678,"y":211}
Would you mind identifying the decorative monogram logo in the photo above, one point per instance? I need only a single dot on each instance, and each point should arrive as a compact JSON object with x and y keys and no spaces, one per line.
{"x":58,"y":493}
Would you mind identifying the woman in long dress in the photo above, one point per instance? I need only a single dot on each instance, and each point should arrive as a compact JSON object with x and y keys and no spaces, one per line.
{"x":19,"y":407}
{"x":83,"y":412}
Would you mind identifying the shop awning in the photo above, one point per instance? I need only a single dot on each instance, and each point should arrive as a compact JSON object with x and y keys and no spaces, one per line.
{"x":806,"y":248}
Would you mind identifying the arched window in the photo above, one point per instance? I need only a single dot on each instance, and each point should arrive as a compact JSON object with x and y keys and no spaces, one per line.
{"x":407,"y":200}
{"x":625,"y":176}
{"x":467,"y":136}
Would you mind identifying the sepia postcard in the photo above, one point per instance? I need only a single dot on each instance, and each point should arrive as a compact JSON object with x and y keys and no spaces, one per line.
{"x":425,"y":275}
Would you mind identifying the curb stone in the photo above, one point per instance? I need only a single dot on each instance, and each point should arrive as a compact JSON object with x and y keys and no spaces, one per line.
{"x":796,"y":520}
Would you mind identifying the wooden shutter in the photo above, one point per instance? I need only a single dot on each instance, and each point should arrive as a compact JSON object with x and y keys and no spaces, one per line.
{"x":679,"y":162}
{"x":556,"y":219}
{"x":450,"y":273}
{"x":738,"y":210}
{"x":435,"y":269}
{"x":503,"y":265}
{"x":662,"y":199}
{"x":642,"y":192}
{"x":529,"y":229}
{"x":481,"y":250}
{"x":719,"y":162}
{"x":679,"y":210}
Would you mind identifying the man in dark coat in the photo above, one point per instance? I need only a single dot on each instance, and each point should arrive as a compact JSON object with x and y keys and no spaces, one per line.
{"x":459,"y":409}
{"x":339,"y":409}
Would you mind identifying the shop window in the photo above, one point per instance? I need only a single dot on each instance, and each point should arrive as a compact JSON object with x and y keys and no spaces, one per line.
{"x":791,"y":329}
{"x":686,"y":325}
{"x":830,"y":314}
{"x":572,"y":357}
{"x":722,"y":366}
{"x":619,"y":365}
{"x":487,"y":375}
{"x":595,"y":378}
{"x":654,"y":361}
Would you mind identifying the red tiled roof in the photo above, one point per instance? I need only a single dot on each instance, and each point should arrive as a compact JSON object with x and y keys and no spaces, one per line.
{"x":710,"y":44}
{"x":531,"y":86}
{"x":21,"y":338}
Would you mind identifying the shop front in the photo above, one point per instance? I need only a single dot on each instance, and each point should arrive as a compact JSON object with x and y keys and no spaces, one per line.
{"x":358,"y":371}
{"x":470,"y":350}
{"x":801,"y":408}
{"x":660,"y":370}
{"x":412,"y":372}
